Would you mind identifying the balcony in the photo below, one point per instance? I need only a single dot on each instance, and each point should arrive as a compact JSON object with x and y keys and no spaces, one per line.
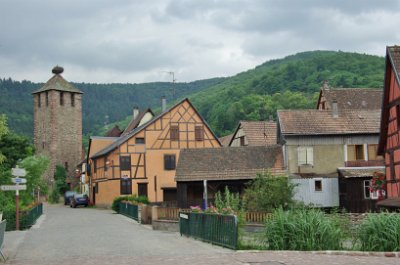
{"x":363,"y":163}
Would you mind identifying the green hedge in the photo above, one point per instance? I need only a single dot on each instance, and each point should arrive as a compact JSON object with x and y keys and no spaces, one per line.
{"x":131,"y":198}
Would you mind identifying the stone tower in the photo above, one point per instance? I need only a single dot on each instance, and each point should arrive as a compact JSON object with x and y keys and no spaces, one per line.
{"x":58,"y":124}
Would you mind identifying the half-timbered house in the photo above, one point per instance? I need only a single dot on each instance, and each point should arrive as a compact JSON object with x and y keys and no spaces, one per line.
{"x":143,"y":161}
{"x":389,"y":142}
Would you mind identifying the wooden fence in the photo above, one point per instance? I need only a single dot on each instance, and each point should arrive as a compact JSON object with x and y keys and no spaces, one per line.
{"x":172,"y":213}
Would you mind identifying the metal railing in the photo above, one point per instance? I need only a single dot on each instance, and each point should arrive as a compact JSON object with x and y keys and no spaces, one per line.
{"x":129,"y":210}
{"x":257,"y":217}
{"x":27,"y":218}
{"x":214,"y":228}
{"x":2,"y":232}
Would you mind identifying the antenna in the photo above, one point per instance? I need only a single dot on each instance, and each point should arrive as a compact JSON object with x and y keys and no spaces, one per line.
{"x":173,"y":82}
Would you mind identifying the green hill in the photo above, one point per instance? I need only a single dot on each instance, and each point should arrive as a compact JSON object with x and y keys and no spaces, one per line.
{"x":288,"y":83}
{"x":102,"y":103}
{"x":291,"y":82}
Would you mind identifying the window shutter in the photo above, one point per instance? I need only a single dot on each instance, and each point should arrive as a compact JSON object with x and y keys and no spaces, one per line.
{"x":199,"y":133}
{"x":301,"y":155}
{"x":310,"y":156}
{"x":174,"y":133}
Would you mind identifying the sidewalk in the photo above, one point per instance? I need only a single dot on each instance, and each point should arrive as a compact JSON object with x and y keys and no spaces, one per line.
{"x":12,"y":240}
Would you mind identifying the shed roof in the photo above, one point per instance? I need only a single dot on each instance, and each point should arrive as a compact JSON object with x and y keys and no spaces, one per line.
{"x":228,"y":163}
{"x":322,"y":122}
{"x":57,"y":82}
{"x":359,"y":172}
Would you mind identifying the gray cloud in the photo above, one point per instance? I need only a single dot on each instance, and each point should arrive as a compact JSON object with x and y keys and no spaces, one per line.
{"x":136,"y":41}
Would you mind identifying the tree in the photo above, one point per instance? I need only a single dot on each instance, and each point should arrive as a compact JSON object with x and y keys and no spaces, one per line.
{"x":60,"y":177}
{"x":3,"y":131}
{"x":267,"y":192}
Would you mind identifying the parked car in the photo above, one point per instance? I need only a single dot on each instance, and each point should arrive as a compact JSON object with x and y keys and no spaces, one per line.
{"x":79,"y":199}
{"x":67,"y":196}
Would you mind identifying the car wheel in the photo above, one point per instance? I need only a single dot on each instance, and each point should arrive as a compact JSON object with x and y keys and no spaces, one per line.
{"x":75,"y":206}
{"x":86,"y":205}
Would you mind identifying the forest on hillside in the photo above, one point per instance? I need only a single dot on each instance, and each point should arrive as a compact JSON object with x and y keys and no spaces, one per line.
{"x":289,"y":83}
{"x":102,"y":103}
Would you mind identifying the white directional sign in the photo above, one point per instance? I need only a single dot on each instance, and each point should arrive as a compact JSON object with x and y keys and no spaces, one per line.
{"x":18,"y":172}
{"x":18,"y":180}
{"x":12,"y":187}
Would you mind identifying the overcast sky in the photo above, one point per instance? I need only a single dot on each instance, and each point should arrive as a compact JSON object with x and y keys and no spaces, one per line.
{"x":110,"y":41}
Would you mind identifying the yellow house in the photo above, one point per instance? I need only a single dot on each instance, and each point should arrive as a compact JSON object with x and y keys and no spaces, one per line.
{"x":143,"y":161}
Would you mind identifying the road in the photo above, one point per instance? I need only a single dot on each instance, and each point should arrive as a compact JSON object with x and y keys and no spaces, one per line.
{"x":91,"y":236}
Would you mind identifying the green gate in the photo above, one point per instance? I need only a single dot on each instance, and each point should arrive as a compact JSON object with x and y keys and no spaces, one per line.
{"x":129,"y":210}
{"x":214,"y":228}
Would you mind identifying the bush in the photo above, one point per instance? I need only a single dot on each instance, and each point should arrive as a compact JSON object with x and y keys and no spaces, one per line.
{"x":302,"y":229}
{"x":380,"y":232}
{"x":267,"y":192}
{"x":54,"y":196}
{"x":132,"y":198}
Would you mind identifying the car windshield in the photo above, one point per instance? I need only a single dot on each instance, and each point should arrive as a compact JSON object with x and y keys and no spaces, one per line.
{"x":79,"y":195}
{"x":70,"y":193}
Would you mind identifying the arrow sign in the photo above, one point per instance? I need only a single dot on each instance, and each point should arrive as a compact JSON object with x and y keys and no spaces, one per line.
{"x":12,"y":187}
{"x":18,"y":180}
{"x":18,"y":172}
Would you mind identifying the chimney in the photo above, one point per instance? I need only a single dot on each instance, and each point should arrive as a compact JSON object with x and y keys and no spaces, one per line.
{"x":325,"y":85}
{"x":335,"y":109}
{"x":163,"y":103}
{"x":135,"y":112}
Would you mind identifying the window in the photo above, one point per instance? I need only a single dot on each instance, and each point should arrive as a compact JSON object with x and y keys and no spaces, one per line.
{"x":242,"y":141}
{"x":305,"y":155}
{"x":174,"y":133}
{"x":142,"y":189}
{"x":359,"y":151}
{"x":126,"y":186}
{"x":139,"y":140}
{"x":391,"y":161}
{"x":47,"y":98}
{"x":72,"y":99}
{"x":318,"y":185}
{"x":106,"y":164}
{"x":94,"y":166}
{"x":398,"y":116}
{"x":61,"y":98}
{"x":125,"y":162}
{"x":39,"y":103}
{"x":355,"y":152}
{"x":97,"y":187}
{"x":199,"y":133}
{"x":169,"y":162}
{"x":368,"y":194}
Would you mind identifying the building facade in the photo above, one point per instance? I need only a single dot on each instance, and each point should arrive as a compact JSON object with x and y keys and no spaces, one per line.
{"x":143,"y":161}
{"x":58,"y":124}
{"x":389,"y":143}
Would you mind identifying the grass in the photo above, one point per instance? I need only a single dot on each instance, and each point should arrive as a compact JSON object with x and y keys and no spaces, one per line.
{"x":302,"y":229}
{"x":379,"y":232}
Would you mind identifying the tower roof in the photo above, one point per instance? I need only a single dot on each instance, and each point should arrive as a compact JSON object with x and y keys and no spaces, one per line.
{"x":57,"y":82}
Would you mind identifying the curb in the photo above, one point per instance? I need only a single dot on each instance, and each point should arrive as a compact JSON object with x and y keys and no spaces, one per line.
{"x":330,"y":252}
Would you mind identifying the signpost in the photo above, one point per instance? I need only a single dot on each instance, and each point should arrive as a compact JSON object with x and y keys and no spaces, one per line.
{"x":18,"y":180}
{"x":17,"y":173}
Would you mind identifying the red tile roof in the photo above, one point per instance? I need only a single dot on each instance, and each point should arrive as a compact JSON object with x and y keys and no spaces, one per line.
{"x":322,"y":122}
